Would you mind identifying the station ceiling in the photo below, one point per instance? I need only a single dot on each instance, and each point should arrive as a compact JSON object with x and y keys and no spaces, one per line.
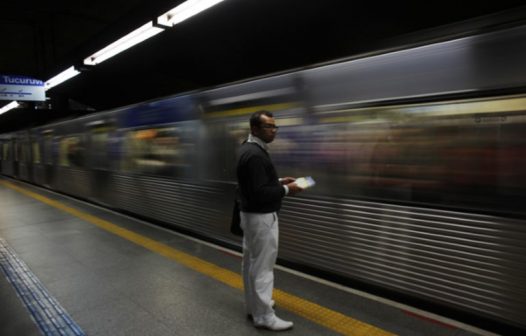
{"x":234,"y":40}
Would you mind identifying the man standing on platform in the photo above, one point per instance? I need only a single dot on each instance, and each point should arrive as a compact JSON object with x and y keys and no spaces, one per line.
{"x":261,"y":192}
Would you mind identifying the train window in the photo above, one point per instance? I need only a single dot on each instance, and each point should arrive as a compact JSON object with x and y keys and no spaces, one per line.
{"x":24,"y":151}
{"x":16,"y":150}
{"x":222,"y":141}
{"x":5,"y":151}
{"x":36,"y":152}
{"x":99,"y":147}
{"x":48,"y":149}
{"x":157,"y":151}
{"x":71,"y":152}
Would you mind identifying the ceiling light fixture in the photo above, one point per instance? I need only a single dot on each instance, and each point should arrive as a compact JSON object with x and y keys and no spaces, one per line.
{"x":10,"y":106}
{"x":135,"y":37}
{"x":185,"y":10}
{"x":61,"y":77}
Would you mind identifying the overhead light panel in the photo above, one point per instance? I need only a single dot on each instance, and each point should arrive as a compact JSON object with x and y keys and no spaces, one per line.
{"x":61,"y":77}
{"x":10,"y":106}
{"x":135,"y":37}
{"x":185,"y":10}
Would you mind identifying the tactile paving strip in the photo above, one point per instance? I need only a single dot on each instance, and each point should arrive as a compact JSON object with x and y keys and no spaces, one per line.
{"x":45,"y":310}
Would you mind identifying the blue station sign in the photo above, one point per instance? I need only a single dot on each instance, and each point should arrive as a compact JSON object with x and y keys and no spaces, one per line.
{"x":21,"y":88}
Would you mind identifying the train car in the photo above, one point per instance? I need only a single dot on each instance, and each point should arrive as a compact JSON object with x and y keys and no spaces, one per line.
{"x":419,"y":164}
{"x":418,"y":155}
{"x":154,"y":170}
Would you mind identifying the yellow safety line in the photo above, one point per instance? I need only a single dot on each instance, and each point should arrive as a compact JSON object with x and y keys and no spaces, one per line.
{"x":309,"y":310}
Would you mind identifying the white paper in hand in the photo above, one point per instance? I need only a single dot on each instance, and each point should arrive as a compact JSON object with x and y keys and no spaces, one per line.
{"x":305,"y":182}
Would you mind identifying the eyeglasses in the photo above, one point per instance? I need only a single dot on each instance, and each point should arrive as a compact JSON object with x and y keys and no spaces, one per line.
{"x":269,"y":126}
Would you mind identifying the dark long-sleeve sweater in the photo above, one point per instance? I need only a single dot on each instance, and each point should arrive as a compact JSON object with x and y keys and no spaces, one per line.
{"x":258,"y":181}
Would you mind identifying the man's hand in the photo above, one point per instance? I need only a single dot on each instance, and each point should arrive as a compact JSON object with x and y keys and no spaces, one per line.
{"x":286,"y":180}
{"x":293,"y":189}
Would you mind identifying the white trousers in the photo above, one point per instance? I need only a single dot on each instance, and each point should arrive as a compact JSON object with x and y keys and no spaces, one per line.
{"x":260,"y":249}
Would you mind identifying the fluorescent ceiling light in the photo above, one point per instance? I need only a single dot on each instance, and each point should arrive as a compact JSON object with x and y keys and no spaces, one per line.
{"x":128,"y":41}
{"x":185,"y":10}
{"x":10,"y":106}
{"x":61,"y":77}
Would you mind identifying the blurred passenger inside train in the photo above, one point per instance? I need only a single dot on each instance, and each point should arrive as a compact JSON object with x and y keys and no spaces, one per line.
{"x":154,"y":151}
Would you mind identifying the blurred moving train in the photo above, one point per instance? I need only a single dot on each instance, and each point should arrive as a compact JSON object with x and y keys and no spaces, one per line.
{"x":419,"y":156}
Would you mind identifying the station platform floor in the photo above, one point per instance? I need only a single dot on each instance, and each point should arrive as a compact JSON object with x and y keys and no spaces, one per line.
{"x":68,"y":267}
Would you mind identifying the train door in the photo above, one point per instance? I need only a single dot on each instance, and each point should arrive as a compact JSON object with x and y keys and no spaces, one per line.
{"x":16,"y":156}
{"x":47,"y":157}
{"x":24,"y":159}
{"x":98,"y":160}
{"x":27,"y":157}
{"x":1,"y":155}
{"x":37,"y":170}
{"x":7,"y":162}
{"x":2,"y":158}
